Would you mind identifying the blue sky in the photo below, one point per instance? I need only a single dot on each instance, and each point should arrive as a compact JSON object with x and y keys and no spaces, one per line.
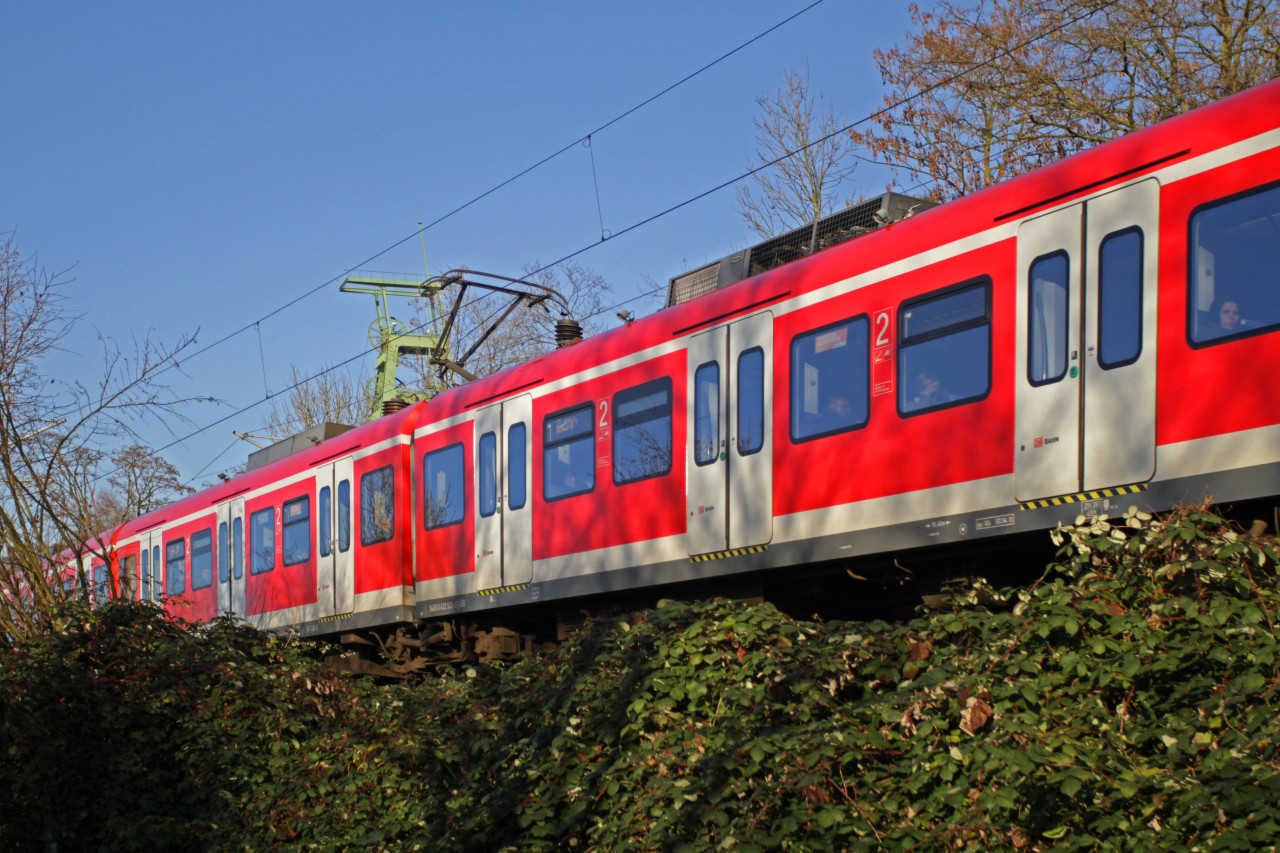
{"x":194,"y":167}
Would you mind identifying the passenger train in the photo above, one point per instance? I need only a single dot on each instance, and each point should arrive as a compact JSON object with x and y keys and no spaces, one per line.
{"x":1104,"y":331}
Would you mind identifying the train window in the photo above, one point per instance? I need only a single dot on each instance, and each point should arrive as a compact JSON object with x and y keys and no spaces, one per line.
{"x":155,"y":573}
{"x":488,"y":474}
{"x":377,"y":506}
{"x":145,"y":592}
{"x":944,"y":350}
{"x":569,"y":453}
{"x":1234,"y":254}
{"x":175,"y":567}
{"x":344,"y":516}
{"x":706,"y":413}
{"x":517,"y":462}
{"x":830,"y":379}
{"x":1120,"y":298}
{"x":101,"y":589}
{"x":444,"y":492}
{"x":237,"y":547}
{"x":201,"y":559}
{"x":642,"y":432}
{"x":295,"y":533}
{"x":128,"y":566}
{"x":224,"y":553}
{"x":750,"y":401}
{"x":1047,"y":327}
{"x":262,"y":541}
{"x":326,"y":521}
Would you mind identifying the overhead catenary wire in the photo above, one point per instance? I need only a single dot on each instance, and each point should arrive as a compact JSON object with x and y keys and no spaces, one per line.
{"x":646,"y":220}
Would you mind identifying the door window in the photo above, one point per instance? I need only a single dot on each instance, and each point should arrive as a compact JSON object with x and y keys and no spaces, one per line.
{"x":750,"y":401}
{"x":1048,"y":326}
{"x":1120,"y":298}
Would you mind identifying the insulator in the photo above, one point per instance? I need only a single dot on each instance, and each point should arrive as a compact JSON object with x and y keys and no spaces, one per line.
{"x":567,"y":332}
{"x":390,"y":407}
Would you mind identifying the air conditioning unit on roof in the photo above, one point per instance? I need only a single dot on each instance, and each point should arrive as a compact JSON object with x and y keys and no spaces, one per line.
{"x":853,"y":221}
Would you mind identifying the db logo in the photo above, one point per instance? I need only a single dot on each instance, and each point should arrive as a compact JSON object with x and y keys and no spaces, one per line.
{"x":1039,"y":442}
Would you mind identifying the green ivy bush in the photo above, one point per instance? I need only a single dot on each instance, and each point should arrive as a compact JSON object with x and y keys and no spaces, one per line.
{"x":1124,"y":700}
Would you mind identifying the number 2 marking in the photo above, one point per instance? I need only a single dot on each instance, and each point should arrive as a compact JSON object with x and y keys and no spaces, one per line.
{"x":604,"y":414}
{"x":882,"y":328}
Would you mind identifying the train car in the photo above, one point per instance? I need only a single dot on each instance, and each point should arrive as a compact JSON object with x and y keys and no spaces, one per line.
{"x":1095,"y":334}
{"x":1092,"y":335}
{"x":317,"y":542}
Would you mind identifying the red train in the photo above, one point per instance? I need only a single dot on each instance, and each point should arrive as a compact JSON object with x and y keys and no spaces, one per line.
{"x":1098,"y":333}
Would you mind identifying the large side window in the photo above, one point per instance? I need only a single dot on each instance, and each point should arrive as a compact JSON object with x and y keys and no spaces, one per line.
{"x":944,"y":348}
{"x":488,"y":474}
{"x":517,"y":458}
{"x":830,"y":379}
{"x":262,"y":541}
{"x":444,"y":491}
{"x":296,"y":530}
{"x":569,"y":453}
{"x":1048,"y":326}
{"x":128,"y":578}
{"x":101,"y":589}
{"x":202,"y":559}
{"x":1234,"y":255}
{"x":751,"y":401}
{"x":1120,"y":298}
{"x":642,"y":432}
{"x":706,"y":413}
{"x":175,"y":567}
{"x":377,"y":506}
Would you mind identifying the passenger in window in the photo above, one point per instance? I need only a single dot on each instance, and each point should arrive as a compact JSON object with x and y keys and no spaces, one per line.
{"x":929,"y":392}
{"x":1229,"y":319}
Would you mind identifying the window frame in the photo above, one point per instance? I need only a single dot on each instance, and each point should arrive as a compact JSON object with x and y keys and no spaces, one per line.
{"x":1066,"y":317}
{"x":286,"y":524}
{"x":633,"y":421}
{"x":548,"y":445}
{"x":206,"y":571}
{"x":750,"y":450}
{"x":487,"y":475}
{"x":428,"y":500}
{"x":254,"y":527}
{"x":175,"y":584}
{"x":796,"y":340}
{"x":907,"y":342}
{"x":517,"y":465}
{"x":1102,"y":302}
{"x":1193,"y":275}
{"x":716,"y":442}
{"x":387,"y":531}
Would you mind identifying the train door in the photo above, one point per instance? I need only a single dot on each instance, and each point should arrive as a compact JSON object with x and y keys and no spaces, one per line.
{"x":335,"y":563}
{"x":730,"y":466}
{"x":504,"y":527}
{"x":152,"y":584}
{"x":1087,"y":345}
{"x":231,"y":557}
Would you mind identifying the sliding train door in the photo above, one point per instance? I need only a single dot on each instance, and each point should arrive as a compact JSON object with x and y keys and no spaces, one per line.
{"x":730,"y":463}
{"x":504,"y":526}
{"x":231,"y":557}
{"x":335,"y":563}
{"x":1087,"y":345}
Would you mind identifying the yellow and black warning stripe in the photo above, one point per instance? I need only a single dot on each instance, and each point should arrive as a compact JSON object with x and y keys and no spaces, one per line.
{"x":735,"y":552}
{"x":1081,"y":497}
{"x":337,"y":617}
{"x":515,"y":588}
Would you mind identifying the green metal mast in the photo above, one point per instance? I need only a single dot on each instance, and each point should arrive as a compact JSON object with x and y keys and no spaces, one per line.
{"x":392,"y":337}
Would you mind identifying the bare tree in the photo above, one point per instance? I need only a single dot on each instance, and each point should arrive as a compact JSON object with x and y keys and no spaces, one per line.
{"x":52,"y":435}
{"x":983,"y":91}
{"x":801,"y":132}
{"x":335,"y":396}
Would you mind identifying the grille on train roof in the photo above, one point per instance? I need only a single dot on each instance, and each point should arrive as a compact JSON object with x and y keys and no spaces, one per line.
{"x":843,"y":225}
